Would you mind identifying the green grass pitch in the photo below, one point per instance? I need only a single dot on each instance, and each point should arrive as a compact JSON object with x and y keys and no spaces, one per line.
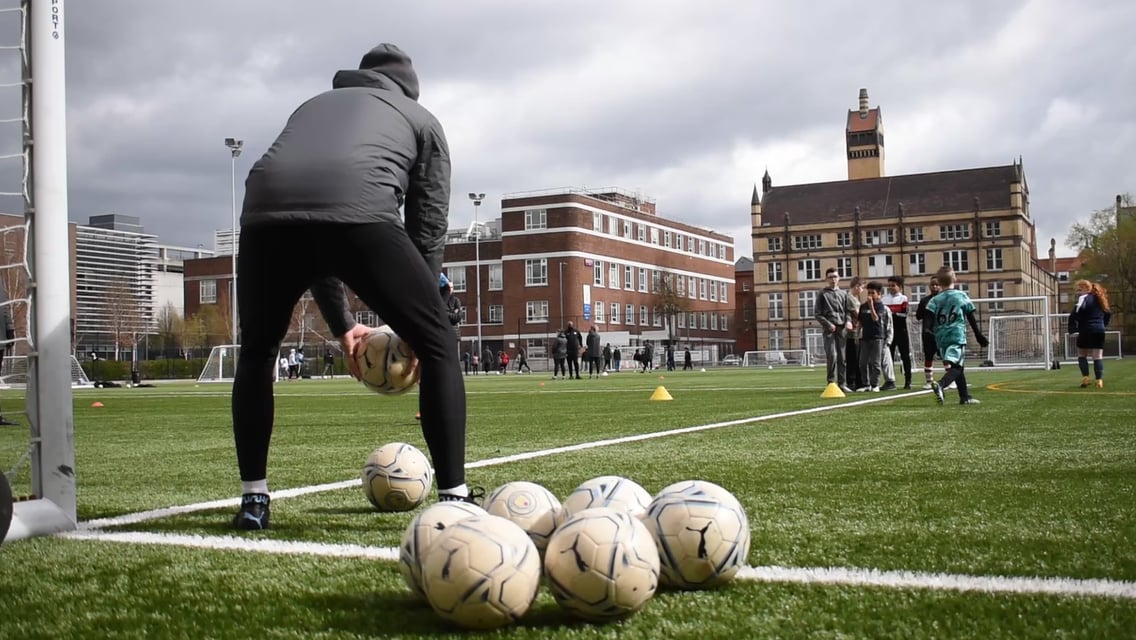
{"x":895,"y":518}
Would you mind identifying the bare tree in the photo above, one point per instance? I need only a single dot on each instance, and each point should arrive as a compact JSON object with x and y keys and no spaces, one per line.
{"x":167,"y":329}
{"x":668,"y":302}
{"x":124,"y":315}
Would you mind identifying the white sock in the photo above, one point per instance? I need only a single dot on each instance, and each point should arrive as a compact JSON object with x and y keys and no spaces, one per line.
{"x":460,"y":491}
{"x":255,"y":486}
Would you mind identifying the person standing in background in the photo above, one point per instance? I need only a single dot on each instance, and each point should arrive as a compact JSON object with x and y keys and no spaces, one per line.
{"x":1089,"y":320}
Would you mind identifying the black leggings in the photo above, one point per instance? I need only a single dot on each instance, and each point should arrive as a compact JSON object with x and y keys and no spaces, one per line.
{"x":378,"y":262}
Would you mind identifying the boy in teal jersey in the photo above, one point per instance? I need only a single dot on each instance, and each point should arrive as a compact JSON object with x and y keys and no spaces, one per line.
{"x":948,"y":310}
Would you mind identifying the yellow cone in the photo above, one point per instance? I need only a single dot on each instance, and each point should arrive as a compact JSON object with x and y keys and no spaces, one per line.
{"x":832,"y":391}
{"x":661,"y":394}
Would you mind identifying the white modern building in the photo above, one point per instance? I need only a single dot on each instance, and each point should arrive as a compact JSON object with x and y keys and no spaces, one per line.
{"x":116,"y":267}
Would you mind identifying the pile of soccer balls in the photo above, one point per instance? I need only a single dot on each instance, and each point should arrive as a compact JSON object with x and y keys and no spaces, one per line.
{"x":604,"y":550}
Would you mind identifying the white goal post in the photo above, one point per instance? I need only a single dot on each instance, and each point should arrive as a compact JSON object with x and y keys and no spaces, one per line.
{"x":14,"y":372}
{"x":221,"y":366}
{"x":776,"y":358}
{"x":1019,"y":328}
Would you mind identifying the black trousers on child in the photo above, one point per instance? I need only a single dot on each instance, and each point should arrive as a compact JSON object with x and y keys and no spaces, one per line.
{"x":380,"y":264}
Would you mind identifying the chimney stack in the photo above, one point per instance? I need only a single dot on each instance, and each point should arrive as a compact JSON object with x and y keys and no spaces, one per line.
{"x":863,"y":103}
{"x":1053,"y":255}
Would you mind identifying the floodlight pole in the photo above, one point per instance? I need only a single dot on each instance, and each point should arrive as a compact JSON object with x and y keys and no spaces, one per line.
{"x":234,"y":146}
{"x":477,"y":198}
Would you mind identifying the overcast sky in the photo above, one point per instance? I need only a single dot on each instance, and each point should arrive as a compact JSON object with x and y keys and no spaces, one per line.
{"x":686,"y":102}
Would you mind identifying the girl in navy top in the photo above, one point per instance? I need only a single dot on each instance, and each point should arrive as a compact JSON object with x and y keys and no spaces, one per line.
{"x":1088,"y":320}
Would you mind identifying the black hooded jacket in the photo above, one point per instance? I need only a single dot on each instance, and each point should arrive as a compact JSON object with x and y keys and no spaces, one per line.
{"x":355,"y":154}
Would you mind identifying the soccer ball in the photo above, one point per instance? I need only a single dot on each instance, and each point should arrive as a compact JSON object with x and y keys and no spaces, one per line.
{"x":529,"y":505}
{"x":702,"y":534}
{"x":606,"y":491}
{"x":397,"y":477}
{"x":481,"y":573}
{"x":602,"y":564}
{"x":421,"y":533}
{"x":384,"y":361}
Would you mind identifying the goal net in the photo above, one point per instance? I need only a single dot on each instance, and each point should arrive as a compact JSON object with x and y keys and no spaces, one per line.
{"x":14,"y":372}
{"x":222,"y":364}
{"x":1020,"y":331}
{"x":1066,"y":346}
{"x":776,"y":358}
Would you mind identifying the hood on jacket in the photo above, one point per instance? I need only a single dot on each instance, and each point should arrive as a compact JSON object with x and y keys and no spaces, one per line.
{"x":384,"y":67}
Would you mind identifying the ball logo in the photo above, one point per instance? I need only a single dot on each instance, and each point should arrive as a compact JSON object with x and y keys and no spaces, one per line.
{"x":522,"y":503}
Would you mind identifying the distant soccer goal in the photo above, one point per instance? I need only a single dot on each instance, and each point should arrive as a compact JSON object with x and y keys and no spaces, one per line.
{"x":776,"y":358}
{"x":1020,"y":331}
{"x":14,"y":372}
{"x":221,"y":365}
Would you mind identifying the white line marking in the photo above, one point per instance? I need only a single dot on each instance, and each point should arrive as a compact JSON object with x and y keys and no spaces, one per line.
{"x":800,"y":575}
{"x":143,"y":516}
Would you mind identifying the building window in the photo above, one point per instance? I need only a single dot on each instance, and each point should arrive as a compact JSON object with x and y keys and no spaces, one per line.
{"x":775,"y":271}
{"x":774,"y":243}
{"x":917,"y":263}
{"x":993,"y":260}
{"x":207,"y":292}
{"x":915,"y":234}
{"x":612,"y":225}
{"x":627,"y":229}
{"x":808,"y":270}
{"x":701,"y":288}
{"x":536,"y":272}
{"x":844,"y":267}
{"x":654,"y":235}
{"x":844,"y":239}
{"x":776,"y":306}
{"x":873,"y":238}
{"x":656,"y":279}
{"x":598,"y":273}
{"x":680,"y":289}
{"x":641,"y":232}
{"x":692,"y":287}
{"x":957,"y":259}
{"x":629,"y":313}
{"x":613,"y":275}
{"x":368,"y":317}
{"x":599,"y":306}
{"x":1063,"y":276}
{"x":992,"y":229}
{"x":810,"y":241}
{"x":644,"y":319}
{"x":667,"y":239}
{"x":954,"y":231}
{"x":629,"y":277}
{"x":703,"y":320}
{"x":496,"y":314}
{"x":681,"y":319}
{"x":722,"y":291}
{"x":806,"y":300}
{"x":656,"y":318}
{"x":536,"y":219}
{"x":963,"y":287}
{"x":880,"y":266}
{"x":536,"y":311}
{"x":457,"y":278}
{"x":918,"y":292}
{"x":597,"y":221}
{"x":713,"y":322}
{"x":614,"y":313}
{"x":722,"y":323}
{"x":496,"y":277}
{"x":995,"y":290}
{"x":643,"y":280}
{"x":713,"y":291}
{"x":776,"y":339}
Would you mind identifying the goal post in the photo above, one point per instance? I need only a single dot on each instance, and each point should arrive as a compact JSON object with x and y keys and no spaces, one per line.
{"x":1019,"y":329}
{"x":221,"y":365}
{"x":776,"y":358}
{"x":51,"y":508}
{"x":14,"y":372}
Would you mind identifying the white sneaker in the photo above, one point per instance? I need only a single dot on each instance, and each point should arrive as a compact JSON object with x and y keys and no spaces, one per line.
{"x":927,"y":386}
{"x":875,"y":389}
{"x":863,"y":389}
{"x":951,"y":386}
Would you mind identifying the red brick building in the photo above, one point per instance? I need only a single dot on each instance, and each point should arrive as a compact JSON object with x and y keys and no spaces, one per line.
{"x":602,"y":258}
{"x":745,"y":306}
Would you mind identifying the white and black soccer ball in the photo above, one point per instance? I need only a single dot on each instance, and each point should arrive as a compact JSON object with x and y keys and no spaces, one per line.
{"x":481,"y":573}
{"x":529,"y":505}
{"x":397,"y":477}
{"x":702,"y":534}
{"x":423,"y":531}
{"x":384,"y":362}
{"x":616,"y":492}
{"x":602,"y":564}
